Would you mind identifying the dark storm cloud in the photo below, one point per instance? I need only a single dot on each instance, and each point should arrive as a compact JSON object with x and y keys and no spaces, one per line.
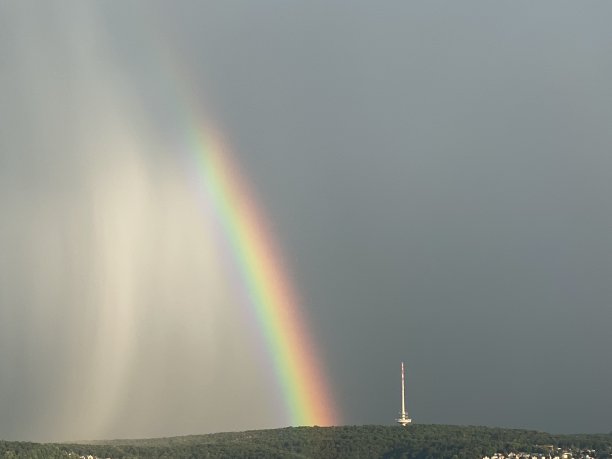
{"x":440,"y":176}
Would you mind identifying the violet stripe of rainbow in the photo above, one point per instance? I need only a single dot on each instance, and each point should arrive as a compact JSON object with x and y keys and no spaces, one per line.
{"x":306,"y":393}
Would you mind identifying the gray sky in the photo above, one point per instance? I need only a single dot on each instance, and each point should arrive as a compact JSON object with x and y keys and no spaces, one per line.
{"x":438,"y":175}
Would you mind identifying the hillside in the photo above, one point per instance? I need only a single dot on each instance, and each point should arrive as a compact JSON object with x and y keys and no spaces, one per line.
{"x":389,"y":442}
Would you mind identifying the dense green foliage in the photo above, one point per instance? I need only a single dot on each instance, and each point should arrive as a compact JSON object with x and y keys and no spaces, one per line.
{"x":388,"y":442}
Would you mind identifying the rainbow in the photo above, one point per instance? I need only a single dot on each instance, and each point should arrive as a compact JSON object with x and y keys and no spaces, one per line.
{"x":268,"y":291}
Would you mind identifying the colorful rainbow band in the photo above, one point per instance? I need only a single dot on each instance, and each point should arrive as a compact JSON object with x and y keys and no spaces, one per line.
{"x":269,"y":292}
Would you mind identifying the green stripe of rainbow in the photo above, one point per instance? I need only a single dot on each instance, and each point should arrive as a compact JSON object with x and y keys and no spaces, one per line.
{"x":305,"y":391}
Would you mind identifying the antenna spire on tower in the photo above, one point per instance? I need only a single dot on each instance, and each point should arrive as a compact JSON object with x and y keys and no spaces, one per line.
{"x":404,"y":420}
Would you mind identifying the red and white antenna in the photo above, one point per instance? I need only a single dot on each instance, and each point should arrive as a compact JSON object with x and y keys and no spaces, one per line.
{"x":404,"y":420}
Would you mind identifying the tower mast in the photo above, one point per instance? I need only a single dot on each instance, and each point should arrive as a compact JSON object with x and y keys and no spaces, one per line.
{"x":403,"y":419}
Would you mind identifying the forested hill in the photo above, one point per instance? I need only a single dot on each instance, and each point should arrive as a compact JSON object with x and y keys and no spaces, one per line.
{"x":415,"y":441}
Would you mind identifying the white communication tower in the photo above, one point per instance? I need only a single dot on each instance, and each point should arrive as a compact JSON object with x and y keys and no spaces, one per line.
{"x":404,"y":420}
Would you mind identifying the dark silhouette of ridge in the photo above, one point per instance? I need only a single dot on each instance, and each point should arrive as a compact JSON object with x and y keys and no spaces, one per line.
{"x":419,"y":441}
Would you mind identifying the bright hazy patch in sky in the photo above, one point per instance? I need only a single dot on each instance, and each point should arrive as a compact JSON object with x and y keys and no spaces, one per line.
{"x":438,"y":174}
{"x":117,"y":318}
